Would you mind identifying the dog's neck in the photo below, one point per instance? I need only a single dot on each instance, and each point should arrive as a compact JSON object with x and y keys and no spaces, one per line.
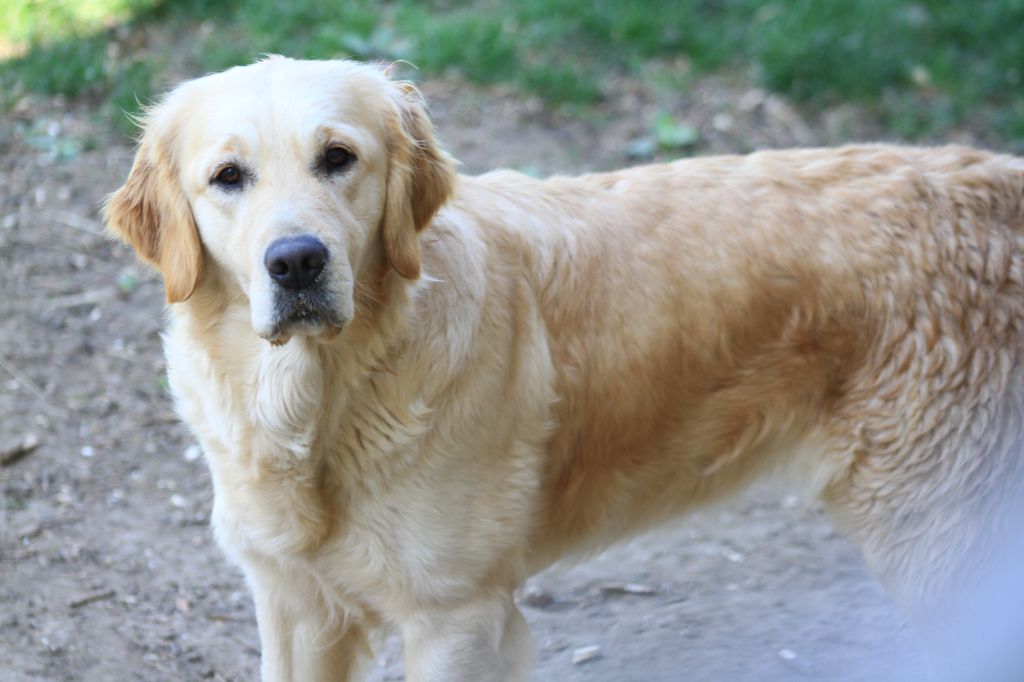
{"x":278,"y":393}
{"x":300,"y":421}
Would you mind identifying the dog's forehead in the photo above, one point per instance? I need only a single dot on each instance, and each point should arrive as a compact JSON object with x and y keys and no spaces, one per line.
{"x":281,"y":94}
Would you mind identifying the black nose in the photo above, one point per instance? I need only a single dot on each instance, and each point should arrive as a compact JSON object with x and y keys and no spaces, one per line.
{"x":296,"y":262}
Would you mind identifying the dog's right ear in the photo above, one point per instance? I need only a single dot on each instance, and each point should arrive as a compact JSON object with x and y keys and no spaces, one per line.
{"x":151,"y":214}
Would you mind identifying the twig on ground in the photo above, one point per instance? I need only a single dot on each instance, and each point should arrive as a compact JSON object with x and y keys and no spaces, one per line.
{"x":24,"y":445}
{"x":91,"y":297}
{"x":77,"y":222}
{"x":32,"y":387}
{"x":26,"y":383}
{"x":91,"y":598}
{"x":227,"y":618}
{"x":249,"y":648}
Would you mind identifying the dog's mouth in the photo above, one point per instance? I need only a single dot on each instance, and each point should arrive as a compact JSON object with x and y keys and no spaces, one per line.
{"x":308,"y":312}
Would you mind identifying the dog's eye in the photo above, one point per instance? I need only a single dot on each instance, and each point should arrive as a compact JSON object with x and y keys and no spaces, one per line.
{"x":229,"y":175}
{"x":336,"y":158}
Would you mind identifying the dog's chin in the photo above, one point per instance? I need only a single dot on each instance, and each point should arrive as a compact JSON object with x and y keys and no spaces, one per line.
{"x":310,"y":313}
{"x":319,"y":325}
{"x":322,"y":329}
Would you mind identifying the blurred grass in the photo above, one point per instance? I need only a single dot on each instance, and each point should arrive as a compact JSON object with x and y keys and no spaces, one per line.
{"x":923,"y":65}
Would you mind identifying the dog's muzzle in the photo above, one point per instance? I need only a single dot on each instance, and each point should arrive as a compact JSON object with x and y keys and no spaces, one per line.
{"x":296,"y":265}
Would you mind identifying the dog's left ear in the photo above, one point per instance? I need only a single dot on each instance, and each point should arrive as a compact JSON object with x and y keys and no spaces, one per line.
{"x":420,"y":179}
{"x":150,"y":213}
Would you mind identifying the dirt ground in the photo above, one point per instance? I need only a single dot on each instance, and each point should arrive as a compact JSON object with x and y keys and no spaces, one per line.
{"x":107,"y":567}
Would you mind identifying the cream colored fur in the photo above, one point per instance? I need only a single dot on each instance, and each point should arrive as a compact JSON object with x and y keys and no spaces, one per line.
{"x":532,"y":368}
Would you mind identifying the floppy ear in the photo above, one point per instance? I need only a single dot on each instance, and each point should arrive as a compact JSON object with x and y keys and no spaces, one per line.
{"x":150,"y":213}
{"x":420,"y":179}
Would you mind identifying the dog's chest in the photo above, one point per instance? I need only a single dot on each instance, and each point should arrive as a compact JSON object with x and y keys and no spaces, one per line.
{"x":287,"y":448}
{"x":255,"y":415}
{"x":356,"y":508}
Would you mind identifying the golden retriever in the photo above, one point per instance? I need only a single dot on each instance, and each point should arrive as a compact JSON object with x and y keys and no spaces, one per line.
{"x":416,"y":388}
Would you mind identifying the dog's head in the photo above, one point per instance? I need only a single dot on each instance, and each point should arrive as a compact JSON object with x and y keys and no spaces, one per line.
{"x":290,"y":179}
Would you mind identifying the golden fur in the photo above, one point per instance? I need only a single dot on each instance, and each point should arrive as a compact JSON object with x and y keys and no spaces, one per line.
{"x":533,"y":368}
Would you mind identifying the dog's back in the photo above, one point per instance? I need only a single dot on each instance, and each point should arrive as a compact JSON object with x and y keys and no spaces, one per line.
{"x":854,"y":317}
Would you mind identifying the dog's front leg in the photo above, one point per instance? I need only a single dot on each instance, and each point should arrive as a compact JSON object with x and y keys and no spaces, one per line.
{"x":276,"y":630}
{"x":300,"y":640}
{"x":484,"y":640}
{"x":328,"y":650}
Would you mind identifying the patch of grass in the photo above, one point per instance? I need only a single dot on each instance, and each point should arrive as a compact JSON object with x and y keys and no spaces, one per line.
{"x":564,"y":83}
{"x":925,"y":64}
{"x":31,"y":21}
{"x":478,"y":46}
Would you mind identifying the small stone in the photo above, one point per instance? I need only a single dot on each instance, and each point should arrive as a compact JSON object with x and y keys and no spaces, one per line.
{"x":723,"y":122}
{"x":585,"y":653}
{"x":127,"y":282}
{"x":802,"y":666}
{"x":536,"y":597}
{"x":179,"y":501}
{"x":628,"y":588}
{"x":192,"y":453}
{"x":751,"y":100}
{"x":88,"y":451}
{"x":641,"y":148}
{"x":732,"y":555}
{"x":29,"y":531}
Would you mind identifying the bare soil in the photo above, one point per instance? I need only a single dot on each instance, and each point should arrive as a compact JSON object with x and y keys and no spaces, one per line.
{"x":107,"y":567}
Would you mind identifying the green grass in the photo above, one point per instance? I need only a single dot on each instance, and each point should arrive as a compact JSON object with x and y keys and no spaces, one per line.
{"x":923,"y":65}
{"x":29,"y":21}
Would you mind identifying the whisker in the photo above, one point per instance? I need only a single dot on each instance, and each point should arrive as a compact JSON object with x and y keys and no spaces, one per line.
{"x":367,"y":297}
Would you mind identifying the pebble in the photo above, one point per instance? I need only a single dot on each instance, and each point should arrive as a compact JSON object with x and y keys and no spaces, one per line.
{"x":127,"y":282}
{"x":801,"y":665}
{"x":536,"y":597}
{"x":585,"y":653}
{"x":628,"y":588}
{"x":723,"y":122}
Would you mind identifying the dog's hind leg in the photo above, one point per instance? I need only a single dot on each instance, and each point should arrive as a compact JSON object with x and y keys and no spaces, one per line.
{"x":934,"y":494}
